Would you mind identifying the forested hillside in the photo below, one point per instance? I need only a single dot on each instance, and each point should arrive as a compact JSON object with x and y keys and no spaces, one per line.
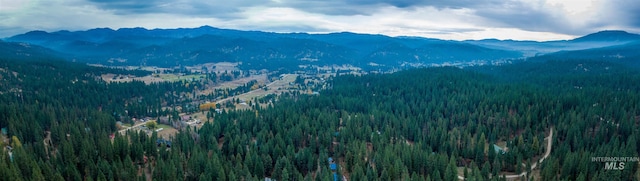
{"x":626,"y":54}
{"x":424,"y":124}
{"x":254,"y":49}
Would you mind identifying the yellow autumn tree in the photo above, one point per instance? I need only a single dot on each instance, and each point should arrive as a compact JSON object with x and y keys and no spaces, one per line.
{"x":15,"y":142}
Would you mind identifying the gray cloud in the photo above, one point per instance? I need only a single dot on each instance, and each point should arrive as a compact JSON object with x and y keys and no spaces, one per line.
{"x":7,"y":31}
{"x":611,"y":14}
{"x":523,"y":16}
{"x":127,"y":6}
{"x":367,"y":7}
{"x":470,"y":18}
{"x":223,"y":9}
{"x":529,"y":16}
{"x":331,"y":7}
{"x":413,"y":3}
{"x":626,"y":12}
{"x":328,"y":7}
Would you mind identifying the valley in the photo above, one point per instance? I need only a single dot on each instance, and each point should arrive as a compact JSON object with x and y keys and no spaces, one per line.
{"x":216,"y":104}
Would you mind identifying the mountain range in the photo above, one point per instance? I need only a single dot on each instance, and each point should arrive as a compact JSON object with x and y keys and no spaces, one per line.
{"x":266,"y":50}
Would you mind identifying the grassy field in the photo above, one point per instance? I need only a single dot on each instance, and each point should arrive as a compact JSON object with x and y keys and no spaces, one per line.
{"x":273,"y":88}
{"x":167,"y":133}
{"x":164,"y":126}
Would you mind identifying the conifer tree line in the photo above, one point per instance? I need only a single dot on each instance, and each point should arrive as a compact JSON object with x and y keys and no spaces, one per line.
{"x":421,"y":124}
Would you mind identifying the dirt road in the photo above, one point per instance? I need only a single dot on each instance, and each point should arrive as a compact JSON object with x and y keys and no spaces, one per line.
{"x":534,"y":165}
{"x":134,"y":126}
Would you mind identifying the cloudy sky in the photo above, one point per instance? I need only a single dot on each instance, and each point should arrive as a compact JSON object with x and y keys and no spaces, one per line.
{"x":446,"y":19}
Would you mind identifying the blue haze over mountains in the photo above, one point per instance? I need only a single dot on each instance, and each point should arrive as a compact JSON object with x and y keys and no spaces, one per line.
{"x":258,"y":50}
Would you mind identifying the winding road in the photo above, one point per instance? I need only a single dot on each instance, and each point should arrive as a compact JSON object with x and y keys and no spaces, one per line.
{"x":534,"y":165}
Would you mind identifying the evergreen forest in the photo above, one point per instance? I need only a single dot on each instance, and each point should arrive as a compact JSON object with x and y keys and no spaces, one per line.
{"x":440,"y":124}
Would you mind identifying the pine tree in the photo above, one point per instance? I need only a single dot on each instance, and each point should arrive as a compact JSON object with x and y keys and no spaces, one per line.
{"x":221,"y":175}
{"x":451,"y":173}
{"x":485,"y":170}
{"x":101,"y":177}
{"x":535,"y":146}
{"x":286,"y":176}
{"x":36,"y":174}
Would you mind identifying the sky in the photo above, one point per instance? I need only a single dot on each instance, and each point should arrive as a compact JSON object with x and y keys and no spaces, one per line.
{"x":445,"y":19}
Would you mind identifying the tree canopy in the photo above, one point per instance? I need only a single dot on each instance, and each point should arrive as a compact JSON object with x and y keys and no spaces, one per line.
{"x":419,"y":124}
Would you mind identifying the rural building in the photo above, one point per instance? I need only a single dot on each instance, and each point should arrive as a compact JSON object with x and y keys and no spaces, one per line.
{"x":332,"y":164}
{"x":160,"y":142}
{"x":498,"y":149}
{"x":186,"y":118}
{"x":163,"y":120}
{"x":334,"y":167}
{"x":9,"y":150}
